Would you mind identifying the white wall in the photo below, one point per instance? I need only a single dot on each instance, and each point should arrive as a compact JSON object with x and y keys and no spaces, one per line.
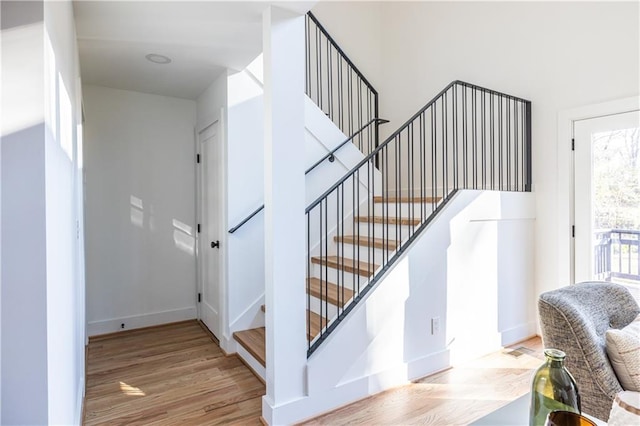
{"x":245,"y":193}
{"x":42,"y":280}
{"x":558,"y":55}
{"x":64,"y":241}
{"x":140,"y":178}
{"x":210,"y":102}
{"x":471,"y":268}
{"x":357,"y":27}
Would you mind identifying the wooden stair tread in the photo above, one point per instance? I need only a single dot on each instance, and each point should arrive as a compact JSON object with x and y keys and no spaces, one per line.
{"x":388,"y":219}
{"x":253,"y":341}
{"x":317,"y":324}
{"x":364,"y":240}
{"x":405,"y":199}
{"x":328,"y":291}
{"x":349,"y":265}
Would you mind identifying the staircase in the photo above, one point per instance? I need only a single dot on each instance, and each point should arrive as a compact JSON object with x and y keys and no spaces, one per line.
{"x":466,"y":137}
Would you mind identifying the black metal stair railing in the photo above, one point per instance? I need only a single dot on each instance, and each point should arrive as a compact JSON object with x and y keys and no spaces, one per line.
{"x":337,"y":86}
{"x":467,"y":137}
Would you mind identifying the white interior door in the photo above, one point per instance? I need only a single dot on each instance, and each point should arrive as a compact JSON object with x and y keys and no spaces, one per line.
{"x":209,"y":205}
{"x":607,"y":196}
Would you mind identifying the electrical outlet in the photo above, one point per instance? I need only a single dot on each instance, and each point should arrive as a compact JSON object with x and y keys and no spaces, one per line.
{"x":435,"y":325}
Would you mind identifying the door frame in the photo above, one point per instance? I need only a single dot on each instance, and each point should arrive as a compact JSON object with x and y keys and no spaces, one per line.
{"x":221,"y":334}
{"x":566,"y":119}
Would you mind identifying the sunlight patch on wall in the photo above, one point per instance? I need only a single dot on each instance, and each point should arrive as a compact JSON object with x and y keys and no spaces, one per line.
{"x":22,"y":78}
{"x":256,"y":68}
{"x":51,"y":87}
{"x":131,"y":390}
{"x":66,"y":119}
{"x":183,"y":237}
{"x":242,"y":87}
{"x":137,"y":212}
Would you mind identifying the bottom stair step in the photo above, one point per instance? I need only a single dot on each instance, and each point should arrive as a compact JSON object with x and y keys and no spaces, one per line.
{"x":253,"y":341}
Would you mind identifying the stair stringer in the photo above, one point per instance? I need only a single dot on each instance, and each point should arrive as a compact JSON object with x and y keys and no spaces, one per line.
{"x":386,"y":340}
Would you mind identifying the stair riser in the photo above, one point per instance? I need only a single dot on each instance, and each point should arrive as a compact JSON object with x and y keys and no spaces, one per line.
{"x":392,"y":231}
{"x":335,"y":276}
{"x":403,"y":209}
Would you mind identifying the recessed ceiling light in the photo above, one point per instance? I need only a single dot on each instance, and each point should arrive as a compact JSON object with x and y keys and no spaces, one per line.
{"x":158,"y":59}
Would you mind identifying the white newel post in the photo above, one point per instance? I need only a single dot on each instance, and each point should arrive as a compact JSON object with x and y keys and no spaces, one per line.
{"x":286,"y":343}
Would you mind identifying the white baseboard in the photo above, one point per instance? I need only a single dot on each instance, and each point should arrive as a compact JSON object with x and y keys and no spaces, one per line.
{"x":113,"y":325}
{"x":346,"y":393}
{"x":518,"y":333}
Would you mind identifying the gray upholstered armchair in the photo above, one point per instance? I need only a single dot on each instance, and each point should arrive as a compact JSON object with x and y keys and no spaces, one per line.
{"x":575,"y":319}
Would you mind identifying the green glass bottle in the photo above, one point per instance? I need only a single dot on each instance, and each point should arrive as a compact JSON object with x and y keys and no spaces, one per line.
{"x":553,"y":388}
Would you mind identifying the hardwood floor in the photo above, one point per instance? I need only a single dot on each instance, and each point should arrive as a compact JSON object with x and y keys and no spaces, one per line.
{"x":176,"y":374}
{"x":167,"y":375}
{"x":456,"y":396}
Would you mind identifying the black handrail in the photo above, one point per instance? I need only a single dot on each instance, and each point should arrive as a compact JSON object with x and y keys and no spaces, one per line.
{"x":329,"y":156}
{"x":466,"y":137}
{"x":246,"y":219}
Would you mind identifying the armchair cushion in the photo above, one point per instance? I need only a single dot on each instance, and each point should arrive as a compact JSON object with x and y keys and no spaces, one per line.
{"x":623,"y":349}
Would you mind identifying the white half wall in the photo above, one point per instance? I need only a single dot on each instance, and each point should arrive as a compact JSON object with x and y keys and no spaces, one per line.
{"x":471,"y":269}
{"x":140,"y":209}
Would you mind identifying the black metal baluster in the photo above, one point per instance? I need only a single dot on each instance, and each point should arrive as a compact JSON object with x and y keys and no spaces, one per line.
{"x":516,"y":134}
{"x":434,"y":154}
{"x":474,"y":140}
{"x":309,"y":266}
{"x":500,"y":142}
{"x":508,"y":161}
{"x":465,"y":128}
{"x":454,"y":120}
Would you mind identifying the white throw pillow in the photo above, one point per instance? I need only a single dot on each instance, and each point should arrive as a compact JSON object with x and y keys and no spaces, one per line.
{"x":623,"y":349}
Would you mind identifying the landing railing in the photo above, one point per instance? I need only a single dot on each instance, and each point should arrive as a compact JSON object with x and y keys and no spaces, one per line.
{"x":336,"y":85}
{"x":467,"y":137}
{"x":617,"y":254}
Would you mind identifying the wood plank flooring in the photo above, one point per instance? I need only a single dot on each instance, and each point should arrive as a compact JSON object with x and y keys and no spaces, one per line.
{"x":168,"y":375}
{"x":457,"y":396}
{"x":176,"y":374}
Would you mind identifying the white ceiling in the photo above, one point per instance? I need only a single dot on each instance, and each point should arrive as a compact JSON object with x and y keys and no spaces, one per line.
{"x":202,"y":38}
